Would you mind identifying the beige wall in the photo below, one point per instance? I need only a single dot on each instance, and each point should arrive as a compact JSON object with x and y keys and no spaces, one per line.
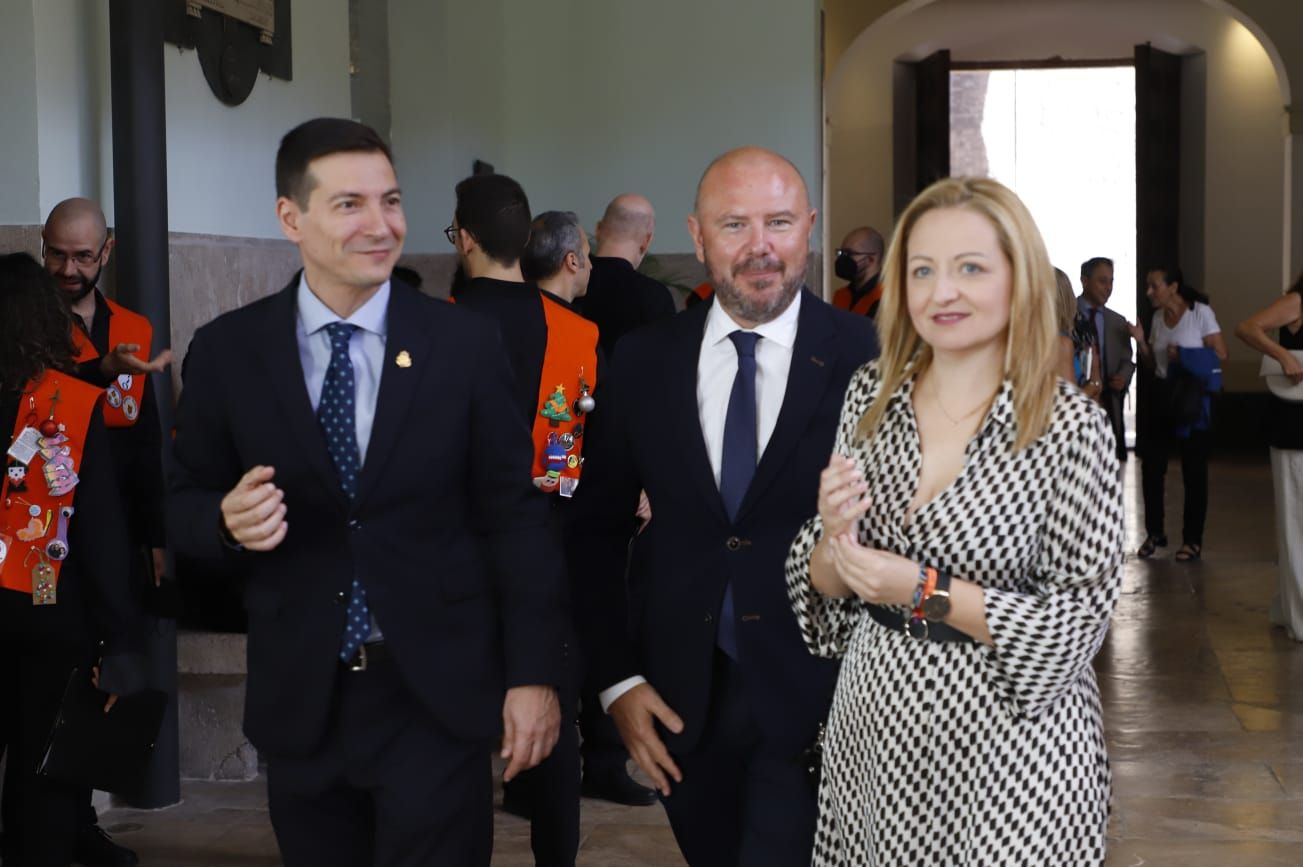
{"x":585,"y":99}
{"x":1247,"y":187}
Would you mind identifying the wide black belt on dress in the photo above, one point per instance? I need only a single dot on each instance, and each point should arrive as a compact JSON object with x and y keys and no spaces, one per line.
{"x":935,"y":631}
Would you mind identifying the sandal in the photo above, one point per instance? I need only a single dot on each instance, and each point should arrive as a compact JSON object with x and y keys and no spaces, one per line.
{"x":1189,"y":552}
{"x":1151,"y":543}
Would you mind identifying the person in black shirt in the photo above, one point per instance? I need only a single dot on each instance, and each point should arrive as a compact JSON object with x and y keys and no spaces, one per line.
{"x":619,"y":298}
{"x":41,"y":644}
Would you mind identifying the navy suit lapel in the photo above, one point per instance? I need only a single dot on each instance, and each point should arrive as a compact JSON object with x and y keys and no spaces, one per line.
{"x":681,"y":379}
{"x":813,"y":359}
{"x":408,"y":338}
{"x":280,"y":349}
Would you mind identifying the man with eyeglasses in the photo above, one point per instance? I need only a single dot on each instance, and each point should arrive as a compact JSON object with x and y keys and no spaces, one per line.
{"x":113,"y":345}
{"x":859,"y":261}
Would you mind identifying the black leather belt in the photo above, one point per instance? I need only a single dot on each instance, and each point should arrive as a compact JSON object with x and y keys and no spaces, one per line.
{"x":935,"y":631}
{"x":367,"y":655}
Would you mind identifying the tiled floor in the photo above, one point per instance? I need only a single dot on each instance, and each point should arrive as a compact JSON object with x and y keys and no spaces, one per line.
{"x":1204,"y":706}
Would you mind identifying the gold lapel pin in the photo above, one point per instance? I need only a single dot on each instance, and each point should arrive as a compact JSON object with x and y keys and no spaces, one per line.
{"x":404,"y":359}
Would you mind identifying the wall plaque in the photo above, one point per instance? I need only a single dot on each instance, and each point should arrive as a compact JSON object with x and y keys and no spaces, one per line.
{"x":235,"y":40}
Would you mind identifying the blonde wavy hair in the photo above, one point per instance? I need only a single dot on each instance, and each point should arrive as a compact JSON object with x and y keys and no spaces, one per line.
{"x":1030,"y":348}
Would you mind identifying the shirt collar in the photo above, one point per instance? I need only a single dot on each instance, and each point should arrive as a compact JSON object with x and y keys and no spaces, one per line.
{"x":780,"y":330}
{"x":315,"y":315}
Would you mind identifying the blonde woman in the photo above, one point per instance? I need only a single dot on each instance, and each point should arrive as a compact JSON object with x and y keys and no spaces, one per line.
{"x":1078,"y":360}
{"x":964,"y":562}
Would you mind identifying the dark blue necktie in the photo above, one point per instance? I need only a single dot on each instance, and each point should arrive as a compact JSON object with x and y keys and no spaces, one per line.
{"x":738,"y":463}
{"x":338,"y":419}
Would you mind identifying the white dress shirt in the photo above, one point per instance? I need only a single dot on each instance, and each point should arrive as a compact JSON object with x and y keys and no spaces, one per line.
{"x":716,"y":370}
{"x":366,"y":349}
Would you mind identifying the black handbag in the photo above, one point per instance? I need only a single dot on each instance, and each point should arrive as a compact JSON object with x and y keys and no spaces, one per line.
{"x":106,"y":751}
{"x":1184,"y":404}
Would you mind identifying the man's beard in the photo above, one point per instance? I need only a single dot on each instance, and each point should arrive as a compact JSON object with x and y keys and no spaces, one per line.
{"x":749,"y":307}
{"x":87,"y":286}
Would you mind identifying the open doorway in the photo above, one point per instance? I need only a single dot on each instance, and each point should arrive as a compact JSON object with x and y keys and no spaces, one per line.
{"x":1064,"y":139}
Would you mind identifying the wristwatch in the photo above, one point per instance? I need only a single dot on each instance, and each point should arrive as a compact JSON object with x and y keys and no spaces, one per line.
{"x":936,"y":605}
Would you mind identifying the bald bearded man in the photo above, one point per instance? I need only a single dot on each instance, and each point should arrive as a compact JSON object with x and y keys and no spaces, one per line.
{"x":725,"y":416}
{"x":619,"y":298}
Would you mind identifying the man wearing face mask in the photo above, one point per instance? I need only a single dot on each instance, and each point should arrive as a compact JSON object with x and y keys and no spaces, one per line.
{"x":114,"y":344}
{"x":859,"y":261}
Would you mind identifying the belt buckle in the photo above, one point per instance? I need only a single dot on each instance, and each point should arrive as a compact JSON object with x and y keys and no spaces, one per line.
{"x":359,"y":660}
{"x":916,"y":628}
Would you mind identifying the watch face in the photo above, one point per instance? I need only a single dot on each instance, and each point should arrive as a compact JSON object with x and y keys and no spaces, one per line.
{"x":936,"y":607}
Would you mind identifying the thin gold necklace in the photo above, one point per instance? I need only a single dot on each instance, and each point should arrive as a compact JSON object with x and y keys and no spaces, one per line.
{"x":954,"y":422}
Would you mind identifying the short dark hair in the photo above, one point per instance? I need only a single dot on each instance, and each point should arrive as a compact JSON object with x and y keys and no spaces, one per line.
{"x":493,"y":208}
{"x":314,"y":139}
{"x":35,"y":326}
{"x":552,"y":236}
{"x":1088,"y":267}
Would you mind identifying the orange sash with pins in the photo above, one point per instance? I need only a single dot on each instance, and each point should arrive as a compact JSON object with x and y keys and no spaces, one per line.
{"x":564,"y":396}
{"x":841,"y":299}
{"x":123,"y":396}
{"x":40,"y":482}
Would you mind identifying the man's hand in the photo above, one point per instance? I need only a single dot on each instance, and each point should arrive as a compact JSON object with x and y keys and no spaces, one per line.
{"x":121,"y":360}
{"x":95,"y":682}
{"x":254,"y":511}
{"x":531,"y":725}
{"x":1117,"y":383}
{"x":635,"y":714}
{"x":643,"y":512}
{"x":159,"y":556}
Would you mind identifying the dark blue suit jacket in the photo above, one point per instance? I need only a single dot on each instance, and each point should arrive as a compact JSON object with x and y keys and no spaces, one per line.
{"x":447,"y":469}
{"x":664,"y":626}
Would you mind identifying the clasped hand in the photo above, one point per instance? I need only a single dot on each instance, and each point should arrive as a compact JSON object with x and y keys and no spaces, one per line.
{"x":880,"y":577}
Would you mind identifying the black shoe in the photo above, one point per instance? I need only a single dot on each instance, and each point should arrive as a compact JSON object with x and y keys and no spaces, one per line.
{"x":514,"y":801}
{"x":617,"y":787}
{"x":95,"y":848}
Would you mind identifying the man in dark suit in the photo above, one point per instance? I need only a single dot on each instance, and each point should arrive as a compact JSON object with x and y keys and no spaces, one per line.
{"x":619,"y":298}
{"x":1112,"y":341}
{"x":349,"y":441}
{"x":725,"y":416}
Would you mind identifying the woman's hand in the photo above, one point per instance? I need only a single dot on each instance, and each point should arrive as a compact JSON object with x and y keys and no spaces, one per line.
{"x":1291,"y":367}
{"x":1137,"y":333}
{"x":843,"y":496}
{"x":879,"y":577}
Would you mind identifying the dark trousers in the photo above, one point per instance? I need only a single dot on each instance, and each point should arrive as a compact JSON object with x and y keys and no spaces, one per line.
{"x":601,"y":748}
{"x":387,"y":788}
{"x":1194,"y":477}
{"x":1113,"y":405}
{"x":741,"y":801}
{"x":41,"y":816}
{"x":552,"y":792}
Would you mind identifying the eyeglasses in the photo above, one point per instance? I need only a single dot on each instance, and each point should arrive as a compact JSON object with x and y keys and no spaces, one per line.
{"x":451,"y":234}
{"x":82,"y":258}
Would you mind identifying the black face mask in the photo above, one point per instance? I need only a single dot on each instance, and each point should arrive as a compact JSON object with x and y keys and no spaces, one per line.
{"x":845,"y":266}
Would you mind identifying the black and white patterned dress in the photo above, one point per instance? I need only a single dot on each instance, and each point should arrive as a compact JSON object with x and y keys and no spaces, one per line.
{"x":958,"y":753}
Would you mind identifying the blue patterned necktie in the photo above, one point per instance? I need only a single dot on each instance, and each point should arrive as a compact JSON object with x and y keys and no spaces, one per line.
{"x":338,"y":419}
{"x":738,"y":462}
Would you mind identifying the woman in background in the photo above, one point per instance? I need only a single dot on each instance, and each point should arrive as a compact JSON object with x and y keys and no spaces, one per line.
{"x":1184,"y":340}
{"x":63,"y":577}
{"x":1078,"y":355}
{"x":1285,"y":436}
